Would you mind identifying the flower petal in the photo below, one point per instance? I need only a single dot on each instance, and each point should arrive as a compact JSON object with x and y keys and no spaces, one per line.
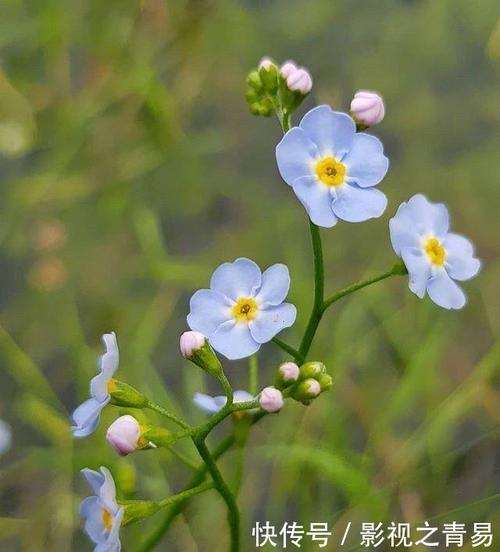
{"x":460,"y":261}
{"x":90,"y":511}
{"x":316,"y":199}
{"x":354,"y":204}
{"x":114,"y":535}
{"x":206,"y":403}
{"x":444,"y":292}
{"x":86,"y":417}
{"x":108,"y":364}
{"x":403,"y":230}
{"x":275,"y":285}
{"x":107,"y":492}
{"x":94,"y":479}
{"x":366,"y":163}
{"x":208,"y":310}
{"x":429,"y":218}
{"x":271,"y":321}
{"x":240,"y":396}
{"x":331,"y":131}
{"x":295,"y":155}
{"x":234,"y":341}
{"x":239,"y":278}
{"x":419,"y":269}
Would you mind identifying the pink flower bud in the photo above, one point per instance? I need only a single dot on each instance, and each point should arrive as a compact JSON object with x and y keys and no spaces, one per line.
{"x":288,"y":68}
{"x":289,"y":371}
{"x":312,"y":387}
{"x":297,"y":78}
{"x":191,"y":342}
{"x":265,"y":63}
{"x":367,"y":107}
{"x":271,"y":399}
{"x":123,"y":435}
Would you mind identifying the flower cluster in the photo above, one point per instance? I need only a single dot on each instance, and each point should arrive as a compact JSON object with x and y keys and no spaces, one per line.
{"x":334,"y":169}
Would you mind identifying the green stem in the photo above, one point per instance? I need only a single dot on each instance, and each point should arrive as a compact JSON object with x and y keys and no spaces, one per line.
{"x":233,"y":514}
{"x":157,"y":408}
{"x":184,"y":495}
{"x":397,"y":269}
{"x":253,"y":374}
{"x":226,"y":386}
{"x":289,"y":349}
{"x":152,"y":540}
{"x":319,"y":290}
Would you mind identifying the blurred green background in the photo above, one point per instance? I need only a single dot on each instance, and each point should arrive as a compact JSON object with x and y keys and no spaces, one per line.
{"x":131,"y":168}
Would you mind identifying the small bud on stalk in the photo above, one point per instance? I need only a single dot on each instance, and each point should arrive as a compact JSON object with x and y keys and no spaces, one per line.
{"x":124,"y":435}
{"x":367,"y":108}
{"x":137,"y":510}
{"x":312,"y":369}
{"x":306,"y":390}
{"x":271,"y":400}
{"x":297,"y":78}
{"x":288,"y":374}
{"x":195,"y":347}
{"x":123,"y":394}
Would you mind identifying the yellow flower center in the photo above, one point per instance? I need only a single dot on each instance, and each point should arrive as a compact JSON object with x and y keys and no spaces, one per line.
{"x":245,"y":309}
{"x":435,"y":251}
{"x":107,"y":519}
{"x":112,"y":387}
{"x":330,"y":171}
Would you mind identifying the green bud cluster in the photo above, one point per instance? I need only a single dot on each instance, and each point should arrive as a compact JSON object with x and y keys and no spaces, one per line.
{"x":312,"y":381}
{"x":267,"y":92}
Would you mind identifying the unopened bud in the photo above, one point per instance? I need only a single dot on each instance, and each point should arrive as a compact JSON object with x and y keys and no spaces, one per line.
{"x":325,"y":381}
{"x":298,"y":79}
{"x":124,"y":435}
{"x":271,"y":399}
{"x":268,"y":73}
{"x":288,"y":373}
{"x":137,"y":510}
{"x":306,"y":391}
{"x":367,"y":108}
{"x":123,"y":394}
{"x":195,"y":347}
{"x":312,"y":370}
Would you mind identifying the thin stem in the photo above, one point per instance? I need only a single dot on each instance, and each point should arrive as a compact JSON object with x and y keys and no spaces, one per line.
{"x":319,"y":290}
{"x":157,"y":408}
{"x":233,"y":514}
{"x":226,"y":386}
{"x":288,"y":349}
{"x":253,"y":374}
{"x":183,"y":458}
{"x":184,"y":495}
{"x":397,"y":269}
{"x":152,"y":541}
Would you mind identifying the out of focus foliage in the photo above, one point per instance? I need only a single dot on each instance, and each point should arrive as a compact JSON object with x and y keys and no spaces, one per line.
{"x":130,"y":168}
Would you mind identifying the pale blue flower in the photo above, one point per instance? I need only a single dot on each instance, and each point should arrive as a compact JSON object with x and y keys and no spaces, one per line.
{"x":86,"y":416}
{"x":243,"y":308}
{"x":212,"y":405}
{"x":101,"y":513}
{"x":433,"y":256}
{"x":332,"y":169}
{"x":5,"y":437}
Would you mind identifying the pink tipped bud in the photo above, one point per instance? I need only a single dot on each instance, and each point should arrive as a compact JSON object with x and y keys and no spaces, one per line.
{"x":367,"y":107}
{"x":289,"y":372}
{"x":271,"y":399}
{"x":297,"y":79}
{"x":266,"y":63}
{"x":312,"y":387}
{"x":124,"y":434}
{"x":288,"y":68}
{"x":191,"y":342}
